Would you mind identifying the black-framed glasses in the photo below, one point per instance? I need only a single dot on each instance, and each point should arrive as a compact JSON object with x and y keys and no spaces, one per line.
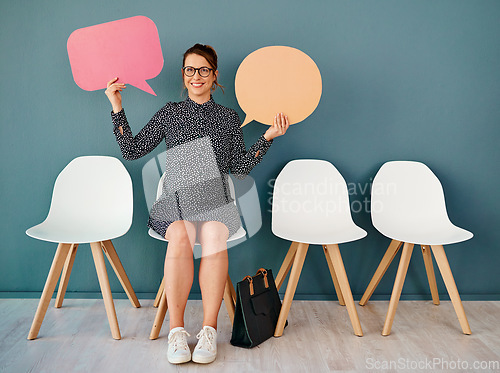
{"x":203,"y":71}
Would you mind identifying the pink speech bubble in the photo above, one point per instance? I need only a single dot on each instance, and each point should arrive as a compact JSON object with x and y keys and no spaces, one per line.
{"x":128,"y":48}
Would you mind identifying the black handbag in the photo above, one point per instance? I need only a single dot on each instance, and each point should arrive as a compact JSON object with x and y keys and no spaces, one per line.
{"x":257,"y":310}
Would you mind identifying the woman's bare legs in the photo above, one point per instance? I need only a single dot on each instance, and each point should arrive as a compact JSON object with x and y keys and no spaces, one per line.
{"x":213,"y":268}
{"x":179,"y":268}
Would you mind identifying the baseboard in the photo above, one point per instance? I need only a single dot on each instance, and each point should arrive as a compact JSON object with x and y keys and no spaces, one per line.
{"x":197,"y":296}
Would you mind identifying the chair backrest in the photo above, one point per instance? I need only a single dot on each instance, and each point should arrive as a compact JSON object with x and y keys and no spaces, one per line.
{"x":309,"y":192}
{"x":406,"y":193}
{"x":95,"y":189}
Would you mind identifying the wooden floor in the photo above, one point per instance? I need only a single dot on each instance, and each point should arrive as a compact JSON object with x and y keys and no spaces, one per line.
{"x":319,"y":338}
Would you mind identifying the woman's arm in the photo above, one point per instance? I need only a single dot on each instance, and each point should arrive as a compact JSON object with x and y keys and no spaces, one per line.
{"x":242,"y":161}
{"x":144,"y":142}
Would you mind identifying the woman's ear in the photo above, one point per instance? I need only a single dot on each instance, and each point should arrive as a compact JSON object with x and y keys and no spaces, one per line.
{"x":182,"y":75}
{"x":214,"y":84}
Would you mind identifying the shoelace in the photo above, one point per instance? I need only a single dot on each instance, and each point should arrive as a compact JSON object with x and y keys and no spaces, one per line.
{"x":177,"y":341}
{"x":206,"y":338}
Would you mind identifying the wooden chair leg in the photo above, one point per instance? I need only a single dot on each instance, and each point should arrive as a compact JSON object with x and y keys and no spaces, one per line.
{"x":159,"y":293}
{"x":287,"y":264}
{"x":429,"y":268}
{"x":231,"y":289}
{"x":298,"y":263}
{"x":444,"y":268}
{"x":48,"y":290}
{"x":334,"y":254}
{"x":160,"y":316}
{"x":334,"y":276}
{"x":102,"y":275}
{"x":389,"y":255}
{"x":117,"y":265}
{"x":66,"y":273}
{"x":398,"y":286}
{"x":229,"y":301}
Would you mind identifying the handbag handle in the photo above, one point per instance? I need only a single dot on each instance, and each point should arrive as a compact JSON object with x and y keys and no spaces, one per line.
{"x":264,"y":272}
{"x":250,"y":279}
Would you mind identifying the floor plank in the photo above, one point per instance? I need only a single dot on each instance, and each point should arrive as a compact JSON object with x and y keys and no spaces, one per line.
{"x":319,"y":338}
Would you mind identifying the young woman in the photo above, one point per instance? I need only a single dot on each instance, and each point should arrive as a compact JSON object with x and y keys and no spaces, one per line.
{"x":204,"y":142}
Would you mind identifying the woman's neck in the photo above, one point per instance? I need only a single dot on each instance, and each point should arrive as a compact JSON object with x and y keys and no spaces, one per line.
{"x":200,"y":99}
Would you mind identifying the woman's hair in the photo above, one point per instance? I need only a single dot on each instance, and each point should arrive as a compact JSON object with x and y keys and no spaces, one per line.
{"x":210,"y":55}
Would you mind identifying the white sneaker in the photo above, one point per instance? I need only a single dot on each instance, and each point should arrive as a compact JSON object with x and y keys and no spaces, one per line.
{"x":206,"y":349}
{"x":178,"y":349}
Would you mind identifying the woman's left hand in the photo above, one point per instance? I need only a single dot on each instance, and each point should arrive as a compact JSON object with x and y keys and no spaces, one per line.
{"x":278,"y":128}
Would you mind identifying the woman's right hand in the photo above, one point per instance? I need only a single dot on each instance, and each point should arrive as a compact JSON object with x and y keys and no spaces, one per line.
{"x":113,"y":92}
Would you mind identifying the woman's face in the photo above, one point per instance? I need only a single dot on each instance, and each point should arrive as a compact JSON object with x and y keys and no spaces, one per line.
{"x":199,"y":88}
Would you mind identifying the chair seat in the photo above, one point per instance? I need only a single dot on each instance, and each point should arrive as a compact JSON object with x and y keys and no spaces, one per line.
{"x":240,"y":233}
{"x":426,"y":233}
{"x":55,"y":231}
{"x":323,"y":233}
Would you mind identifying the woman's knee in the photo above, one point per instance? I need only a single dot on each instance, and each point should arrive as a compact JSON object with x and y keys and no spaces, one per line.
{"x":181,"y":233}
{"x":213,"y":237}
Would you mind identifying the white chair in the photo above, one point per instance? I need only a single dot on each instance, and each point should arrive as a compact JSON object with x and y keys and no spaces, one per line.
{"x":161,"y":301}
{"x":91,"y":203}
{"x":408,"y":206}
{"x":311,"y":206}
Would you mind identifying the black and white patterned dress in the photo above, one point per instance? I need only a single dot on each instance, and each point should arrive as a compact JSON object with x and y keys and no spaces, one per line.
{"x":204,"y":142}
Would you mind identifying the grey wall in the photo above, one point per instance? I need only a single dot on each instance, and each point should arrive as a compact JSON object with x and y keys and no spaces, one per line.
{"x":402,"y":80}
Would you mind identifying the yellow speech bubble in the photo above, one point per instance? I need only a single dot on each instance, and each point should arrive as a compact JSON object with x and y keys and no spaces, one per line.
{"x":277,"y":79}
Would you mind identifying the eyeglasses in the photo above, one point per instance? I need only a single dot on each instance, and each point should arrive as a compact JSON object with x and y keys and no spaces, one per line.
{"x":203,"y":71}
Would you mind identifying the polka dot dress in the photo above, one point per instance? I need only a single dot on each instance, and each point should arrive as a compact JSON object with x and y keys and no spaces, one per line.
{"x":204,"y":143}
